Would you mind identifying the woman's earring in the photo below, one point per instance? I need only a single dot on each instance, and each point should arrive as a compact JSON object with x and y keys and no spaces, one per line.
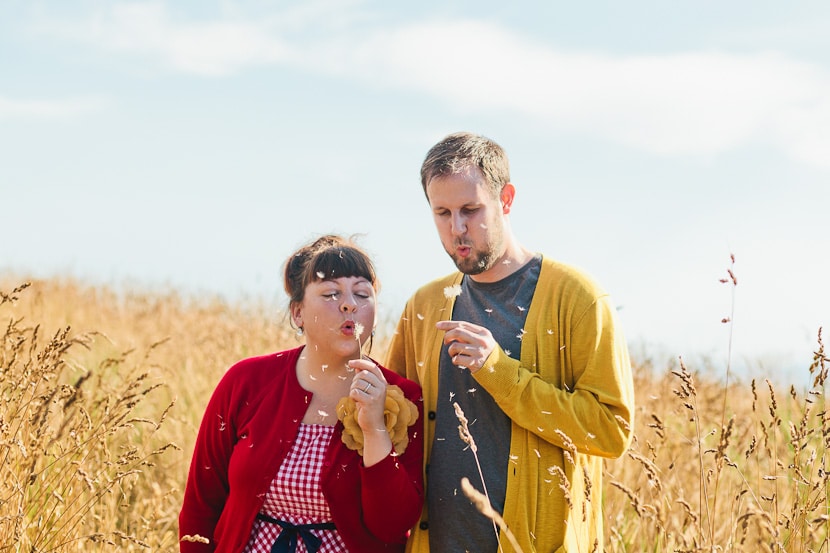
{"x":299,"y":331}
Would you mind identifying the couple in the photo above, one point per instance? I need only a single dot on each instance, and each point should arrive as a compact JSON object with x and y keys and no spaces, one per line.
{"x":321,"y":449}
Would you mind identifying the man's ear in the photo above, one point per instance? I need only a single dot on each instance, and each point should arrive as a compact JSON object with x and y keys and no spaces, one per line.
{"x":508,"y":194}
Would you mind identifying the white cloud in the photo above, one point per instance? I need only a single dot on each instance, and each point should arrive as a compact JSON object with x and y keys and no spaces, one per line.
{"x":10,"y":108}
{"x":211,"y":48}
{"x":694,"y":103}
{"x":689,"y":103}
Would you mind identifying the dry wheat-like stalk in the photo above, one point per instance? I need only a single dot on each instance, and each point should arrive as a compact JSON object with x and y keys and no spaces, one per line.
{"x":775,"y":462}
{"x":467,"y":438}
{"x":73,"y":445}
{"x":483,"y":505}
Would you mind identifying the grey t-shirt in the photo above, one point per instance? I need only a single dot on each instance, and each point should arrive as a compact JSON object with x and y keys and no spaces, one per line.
{"x":455,"y":525}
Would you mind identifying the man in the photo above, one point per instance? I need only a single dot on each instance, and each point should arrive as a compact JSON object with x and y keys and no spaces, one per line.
{"x":529,"y":350}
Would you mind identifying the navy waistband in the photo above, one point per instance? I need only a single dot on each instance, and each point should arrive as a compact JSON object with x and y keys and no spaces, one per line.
{"x":287,"y":540}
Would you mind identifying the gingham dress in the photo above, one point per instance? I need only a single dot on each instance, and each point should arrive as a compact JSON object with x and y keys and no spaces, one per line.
{"x":295,"y":495}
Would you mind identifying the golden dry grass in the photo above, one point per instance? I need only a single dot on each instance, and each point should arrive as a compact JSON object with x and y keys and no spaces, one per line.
{"x":103,"y":391}
{"x":102,"y":395}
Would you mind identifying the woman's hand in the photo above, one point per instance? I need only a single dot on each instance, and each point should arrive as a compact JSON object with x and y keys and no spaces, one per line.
{"x":368,"y":390}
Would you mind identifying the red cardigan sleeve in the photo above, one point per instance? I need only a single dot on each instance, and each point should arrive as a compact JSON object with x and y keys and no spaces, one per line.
{"x":207,"y":486}
{"x":392,"y":493}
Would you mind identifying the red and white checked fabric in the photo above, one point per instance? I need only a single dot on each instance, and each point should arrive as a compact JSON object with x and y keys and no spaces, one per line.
{"x":295,"y":495}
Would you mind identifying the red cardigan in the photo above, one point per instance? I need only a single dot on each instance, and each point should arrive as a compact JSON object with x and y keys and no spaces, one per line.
{"x":248,"y":427}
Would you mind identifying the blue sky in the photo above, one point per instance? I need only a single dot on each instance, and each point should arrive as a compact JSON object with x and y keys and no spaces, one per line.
{"x":195,"y":144}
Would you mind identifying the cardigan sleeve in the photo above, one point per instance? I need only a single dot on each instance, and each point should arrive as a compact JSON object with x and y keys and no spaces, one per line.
{"x":207,"y":488}
{"x":579,"y":398}
{"x":392,"y":493}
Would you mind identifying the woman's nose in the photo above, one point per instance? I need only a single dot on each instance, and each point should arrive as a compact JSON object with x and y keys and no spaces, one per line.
{"x":348,"y":304}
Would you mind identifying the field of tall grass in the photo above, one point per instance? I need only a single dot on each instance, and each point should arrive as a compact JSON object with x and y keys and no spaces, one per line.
{"x":102,"y":391}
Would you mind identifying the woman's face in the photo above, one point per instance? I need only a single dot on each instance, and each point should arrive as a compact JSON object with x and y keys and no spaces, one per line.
{"x":337,"y":315}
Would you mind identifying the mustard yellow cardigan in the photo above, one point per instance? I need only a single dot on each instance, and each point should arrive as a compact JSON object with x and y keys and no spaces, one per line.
{"x":570,"y":399}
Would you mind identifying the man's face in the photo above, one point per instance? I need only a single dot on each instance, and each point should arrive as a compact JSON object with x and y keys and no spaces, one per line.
{"x":469,"y":220}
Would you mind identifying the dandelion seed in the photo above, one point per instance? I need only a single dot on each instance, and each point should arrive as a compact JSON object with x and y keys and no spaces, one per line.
{"x":520,"y":308}
{"x":452,"y":291}
{"x":472,"y":390}
{"x":324,"y":367}
{"x":321,"y":275}
{"x":488,"y":311}
{"x":322,"y":413}
{"x":547,"y":412}
{"x":420,"y":317}
{"x":452,"y":395}
{"x":563,"y":347}
{"x":550,"y":331}
{"x":508,"y":352}
{"x":536,"y":451}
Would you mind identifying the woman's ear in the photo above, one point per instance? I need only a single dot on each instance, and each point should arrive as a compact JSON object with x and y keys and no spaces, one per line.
{"x":297,"y":315}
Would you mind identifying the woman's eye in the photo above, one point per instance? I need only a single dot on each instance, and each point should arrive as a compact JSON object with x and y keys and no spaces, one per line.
{"x":331,"y":295}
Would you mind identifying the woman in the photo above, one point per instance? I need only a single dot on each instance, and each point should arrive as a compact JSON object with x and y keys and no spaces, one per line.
{"x":296,"y":450}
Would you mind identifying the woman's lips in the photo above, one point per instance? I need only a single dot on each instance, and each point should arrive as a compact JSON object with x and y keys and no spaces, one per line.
{"x":347,"y":328}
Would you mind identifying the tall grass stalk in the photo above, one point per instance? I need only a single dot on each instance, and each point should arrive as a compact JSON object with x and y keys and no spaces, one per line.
{"x":467,"y":438}
{"x":97,"y":386}
{"x":757,"y":461}
{"x":74,"y":446}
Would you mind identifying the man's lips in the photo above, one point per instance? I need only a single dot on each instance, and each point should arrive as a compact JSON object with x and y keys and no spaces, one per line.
{"x":463,"y":251}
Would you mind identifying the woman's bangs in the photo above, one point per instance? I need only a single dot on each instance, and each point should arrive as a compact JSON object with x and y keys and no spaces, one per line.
{"x":341,"y":262}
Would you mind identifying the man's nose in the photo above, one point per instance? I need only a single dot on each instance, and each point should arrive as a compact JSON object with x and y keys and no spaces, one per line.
{"x":459,"y":225}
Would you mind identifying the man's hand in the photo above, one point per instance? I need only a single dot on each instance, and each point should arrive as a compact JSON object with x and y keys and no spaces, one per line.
{"x":469,"y":345}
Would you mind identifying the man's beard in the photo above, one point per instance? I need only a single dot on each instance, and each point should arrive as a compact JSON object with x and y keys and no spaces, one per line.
{"x":476,"y":263}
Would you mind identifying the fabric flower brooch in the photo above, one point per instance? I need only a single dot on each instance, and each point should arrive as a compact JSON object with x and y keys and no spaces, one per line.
{"x":398,"y":413}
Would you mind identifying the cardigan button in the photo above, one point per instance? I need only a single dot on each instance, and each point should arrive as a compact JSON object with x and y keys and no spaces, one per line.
{"x":431,"y":415}
{"x":424,"y":525}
